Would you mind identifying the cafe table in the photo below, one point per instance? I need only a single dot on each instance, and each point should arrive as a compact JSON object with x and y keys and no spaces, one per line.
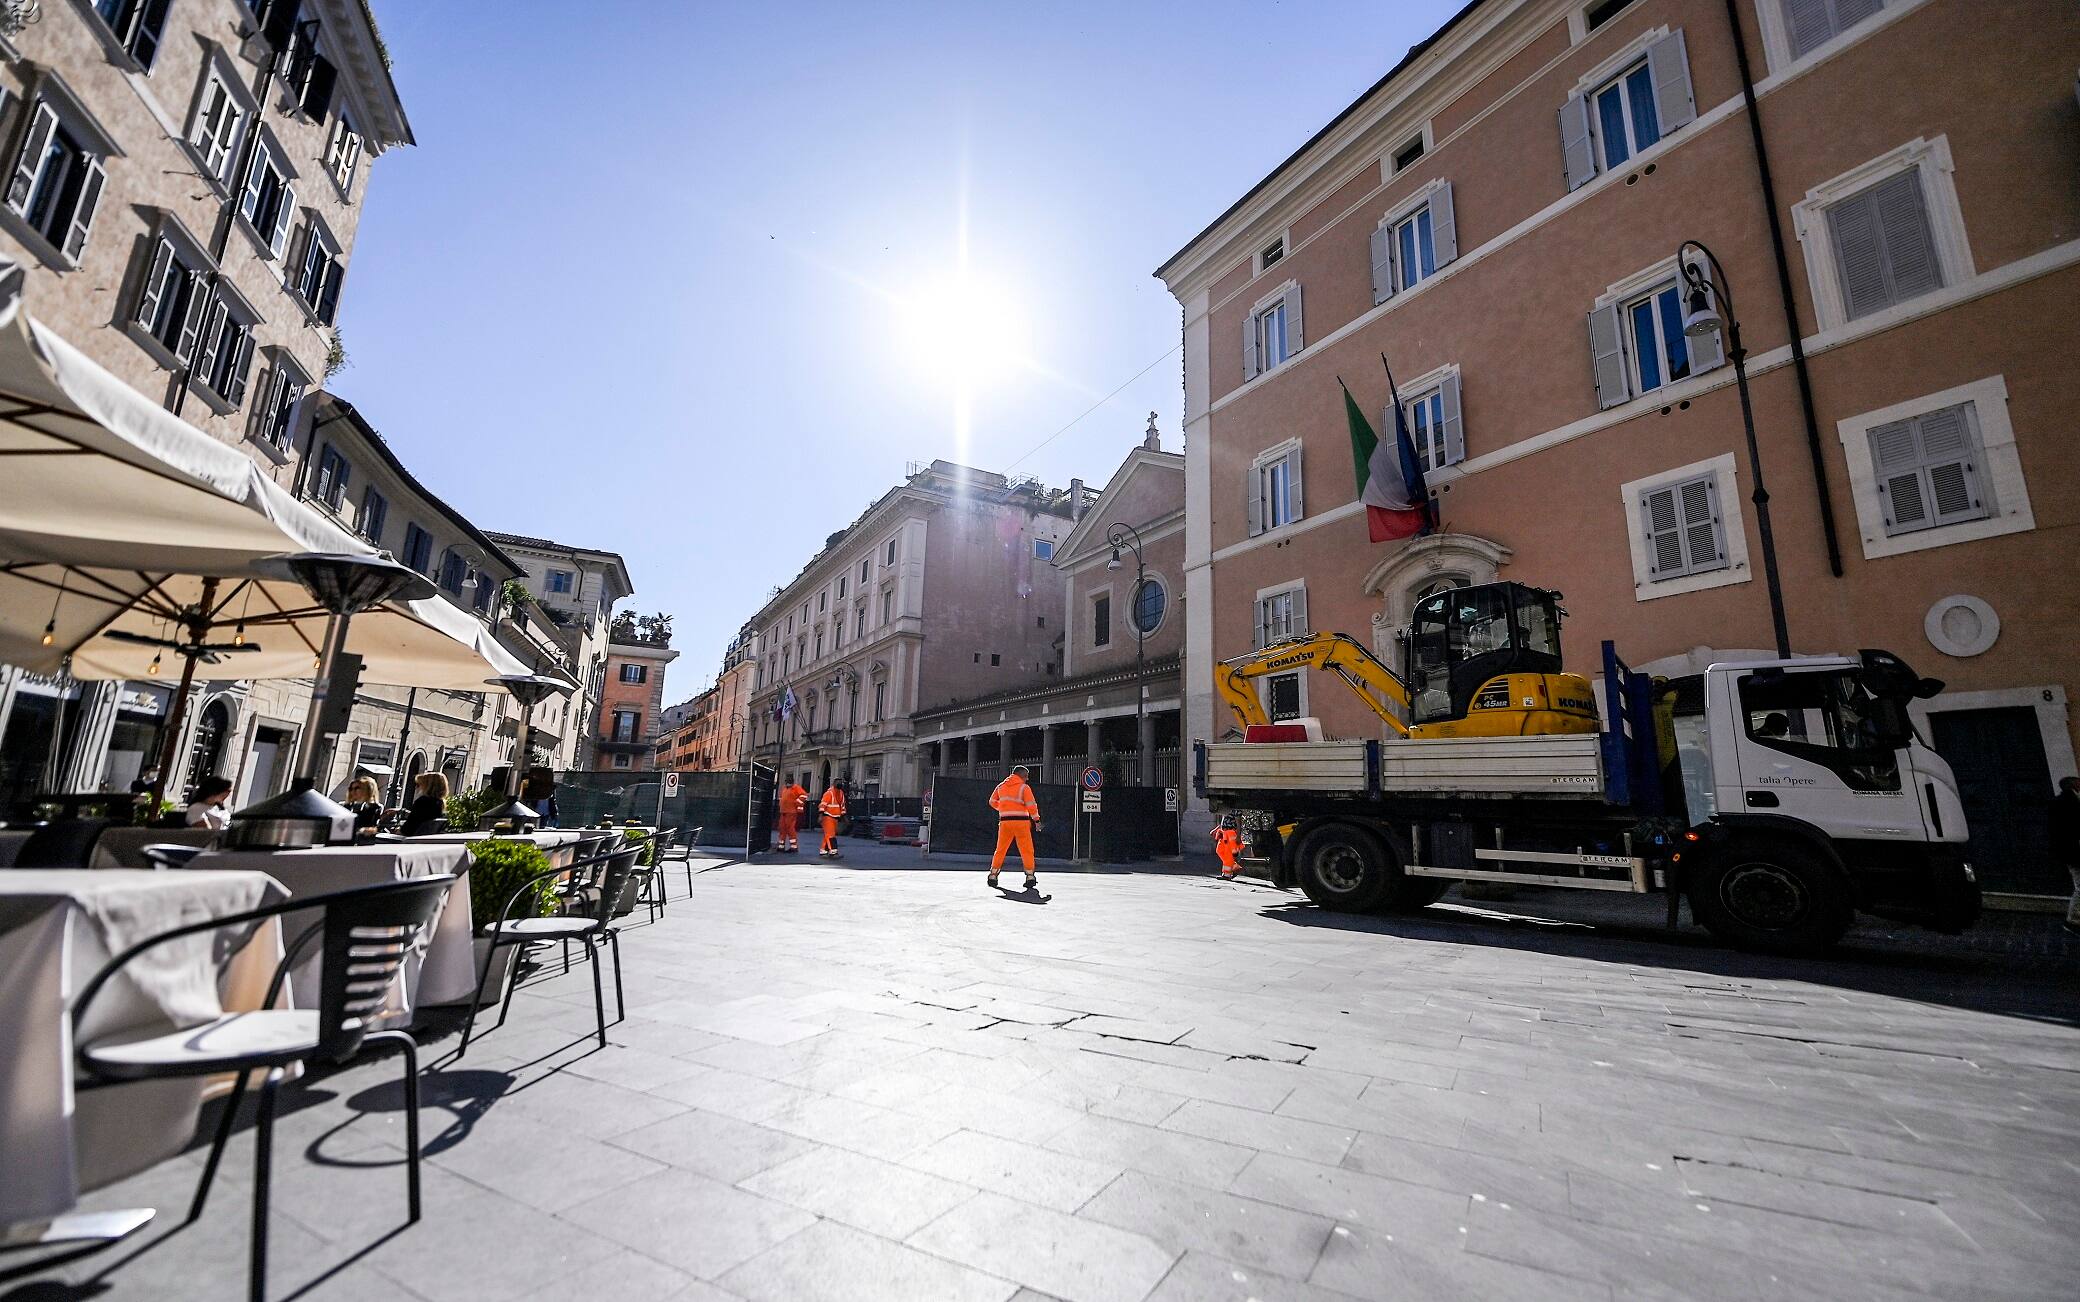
{"x":58,"y":927}
{"x":441,"y":969}
{"x":559,"y":844}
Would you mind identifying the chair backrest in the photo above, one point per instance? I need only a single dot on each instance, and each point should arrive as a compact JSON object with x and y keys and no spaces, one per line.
{"x":368,"y":934}
{"x":169,"y":854}
{"x":431,"y":827}
{"x":65,"y":844}
{"x":613,"y":877}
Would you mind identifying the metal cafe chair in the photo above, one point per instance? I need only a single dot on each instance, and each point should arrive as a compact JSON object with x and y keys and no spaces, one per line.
{"x":67,"y":843}
{"x":681,"y":851}
{"x":365,"y":934}
{"x":586,"y":911}
{"x":651,"y":875}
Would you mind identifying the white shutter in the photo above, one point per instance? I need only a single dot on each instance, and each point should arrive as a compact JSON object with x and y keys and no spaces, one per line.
{"x":1607,"y":356}
{"x":1444,"y":227}
{"x":1704,"y":542}
{"x":42,"y":123}
{"x":1249,"y":346}
{"x":1577,"y":153}
{"x":262,"y":418}
{"x":1382,"y":263}
{"x":1897,"y":462}
{"x":1662,"y":527}
{"x":1263,"y":631}
{"x":199,"y":300}
{"x":256,"y":178}
{"x":1295,"y":340}
{"x":1668,"y":67}
{"x":1810,"y":23}
{"x":1299,"y":616}
{"x":1949,"y":454}
{"x":1911,"y":263}
{"x":278,"y":239}
{"x":1253,"y":491}
{"x":154,"y":284}
{"x":241,"y":363}
{"x":1295,"y":508}
{"x":83,"y":211}
{"x":212,"y":338}
{"x":1454,"y":435}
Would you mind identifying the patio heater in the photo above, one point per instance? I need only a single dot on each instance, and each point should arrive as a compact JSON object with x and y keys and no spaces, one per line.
{"x":528,"y":690}
{"x":344,"y":586}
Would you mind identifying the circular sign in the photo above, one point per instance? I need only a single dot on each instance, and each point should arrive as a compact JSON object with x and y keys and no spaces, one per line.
{"x":1093,"y":778}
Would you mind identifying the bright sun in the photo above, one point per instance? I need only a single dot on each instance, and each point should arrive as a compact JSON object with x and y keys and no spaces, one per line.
{"x":963,"y":332}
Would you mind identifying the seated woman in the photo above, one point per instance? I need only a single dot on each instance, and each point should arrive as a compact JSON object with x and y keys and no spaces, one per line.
{"x":366,"y":802}
{"x":429,"y":804}
{"x":207,"y":809}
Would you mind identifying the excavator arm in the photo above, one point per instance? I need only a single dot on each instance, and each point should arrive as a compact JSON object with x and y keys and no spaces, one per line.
{"x":1337,"y":653}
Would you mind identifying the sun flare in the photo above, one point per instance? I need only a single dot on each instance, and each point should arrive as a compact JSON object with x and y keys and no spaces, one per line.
{"x":963,"y":332}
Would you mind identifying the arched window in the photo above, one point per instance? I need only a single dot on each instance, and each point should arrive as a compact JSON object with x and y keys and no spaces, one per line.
{"x":206,"y":753}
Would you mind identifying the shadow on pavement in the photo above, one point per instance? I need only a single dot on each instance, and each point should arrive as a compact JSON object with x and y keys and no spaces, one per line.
{"x":1963,"y":979}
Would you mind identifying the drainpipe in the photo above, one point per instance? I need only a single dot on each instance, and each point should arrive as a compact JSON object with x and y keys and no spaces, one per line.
{"x":1798,"y":349}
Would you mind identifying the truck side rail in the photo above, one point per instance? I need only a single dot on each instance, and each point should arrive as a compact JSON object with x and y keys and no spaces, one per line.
{"x":1631,"y":753}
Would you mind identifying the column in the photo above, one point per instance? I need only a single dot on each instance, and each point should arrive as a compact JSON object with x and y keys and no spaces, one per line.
{"x":85,"y":755}
{"x":1093,"y":744}
{"x":1003,"y":752}
{"x":1046,"y":752}
{"x":1145,"y":743}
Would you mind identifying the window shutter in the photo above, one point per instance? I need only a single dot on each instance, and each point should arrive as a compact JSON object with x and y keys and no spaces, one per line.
{"x":1950,"y":454}
{"x":1668,"y":67}
{"x":262,"y":420}
{"x":1382,"y":263}
{"x":1664,"y":535}
{"x":1295,"y":340}
{"x":154,"y":284}
{"x":1295,"y":508}
{"x":241,"y":363}
{"x":1253,"y":490}
{"x":199,"y":300}
{"x":83,"y":211}
{"x":1249,"y":346}
{"x":212,"y":339}
{"x":1263,"y":623}
{"x":278,"y":240}
{"x":42,"y":123}
{"x":328,"y":294}
{"x":1299,"y":616}
{"x":278,"y":22}
{"x":1444,"y":227}
{"x":1704,"y":543}
{"x":256,"y":179}
{"x":1454,"y":434}
{"x":1577,"y":155}
{"x":318,"y":85}
{"x":1810,"y":22}
{"x":1607,"y":356}
{"x":150,"y":30}
{"x":1910,"y":247}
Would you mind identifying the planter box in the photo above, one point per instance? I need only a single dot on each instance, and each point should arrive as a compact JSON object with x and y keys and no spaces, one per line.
{"x":501,"y":969}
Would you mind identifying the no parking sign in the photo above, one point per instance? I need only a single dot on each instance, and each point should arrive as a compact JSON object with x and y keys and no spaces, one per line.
{"x":1093,"y":778}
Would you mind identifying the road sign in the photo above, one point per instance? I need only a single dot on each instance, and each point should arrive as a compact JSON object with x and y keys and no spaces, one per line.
{"x":671,"y":784}
{"x":1093,"y":778}
{"x":1169,"y":800}
{"x":1090,"y":801}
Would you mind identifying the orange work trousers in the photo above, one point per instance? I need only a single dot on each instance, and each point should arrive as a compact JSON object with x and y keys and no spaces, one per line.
{"x":786,"y":834}
{"x":1225,"y":848}
{"x":830,"y":834}
{"x":1010,"y":832}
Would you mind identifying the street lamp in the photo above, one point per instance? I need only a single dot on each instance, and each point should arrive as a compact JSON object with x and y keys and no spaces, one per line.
{"x":1702,"y":317}
{"x":1126,"y":535}
{"x":848,"y":679}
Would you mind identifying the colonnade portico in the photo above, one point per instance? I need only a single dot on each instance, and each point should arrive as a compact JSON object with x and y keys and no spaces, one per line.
{"x":1134,"y":752}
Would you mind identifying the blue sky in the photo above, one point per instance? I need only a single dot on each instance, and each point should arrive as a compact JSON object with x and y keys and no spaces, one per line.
{"x":673,"y":279}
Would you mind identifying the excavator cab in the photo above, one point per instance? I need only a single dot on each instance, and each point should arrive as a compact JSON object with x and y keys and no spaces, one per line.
{"x":1493,"y":647}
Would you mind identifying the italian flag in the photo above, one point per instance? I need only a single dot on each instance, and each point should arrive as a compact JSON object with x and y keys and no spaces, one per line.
{"x":1390,"y":481}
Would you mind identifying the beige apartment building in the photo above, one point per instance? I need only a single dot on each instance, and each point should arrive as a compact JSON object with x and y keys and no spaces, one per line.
{"x":943,"y":590}
{"x":184,"y":186}
{"x":1121,"y":643}
{"x":1500,"y":216}
{"x":576,"y":589}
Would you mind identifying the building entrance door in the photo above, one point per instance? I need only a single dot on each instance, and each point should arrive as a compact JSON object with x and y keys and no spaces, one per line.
{"x":2005,"y":783}
{"x":263,"y":770}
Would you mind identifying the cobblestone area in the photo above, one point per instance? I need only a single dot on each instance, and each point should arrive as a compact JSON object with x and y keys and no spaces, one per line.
{"x":854,"y":1081}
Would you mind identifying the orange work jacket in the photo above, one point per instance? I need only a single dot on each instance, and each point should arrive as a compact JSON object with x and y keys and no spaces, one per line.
{"x":794,"y":798}
{"x":1014,"y":799}
{"x":833,"y":803}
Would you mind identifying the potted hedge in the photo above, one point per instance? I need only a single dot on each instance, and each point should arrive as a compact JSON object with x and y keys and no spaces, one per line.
{"x":498,"y":868}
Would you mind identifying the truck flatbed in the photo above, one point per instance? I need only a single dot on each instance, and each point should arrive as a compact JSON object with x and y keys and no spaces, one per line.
{"x":1553,"y":767}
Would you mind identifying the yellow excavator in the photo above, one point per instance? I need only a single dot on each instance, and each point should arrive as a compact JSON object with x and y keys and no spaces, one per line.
{"x":1480,"y":661}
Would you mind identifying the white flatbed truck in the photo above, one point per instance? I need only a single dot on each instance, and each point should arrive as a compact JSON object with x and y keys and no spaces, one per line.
{"x":1799,"y":794}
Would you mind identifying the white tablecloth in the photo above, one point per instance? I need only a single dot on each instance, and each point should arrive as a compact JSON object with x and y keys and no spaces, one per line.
{"x":441,"y":969}
{"x":57,"y":928}
{"x":123,"y":847}
{"x":559,"y":844}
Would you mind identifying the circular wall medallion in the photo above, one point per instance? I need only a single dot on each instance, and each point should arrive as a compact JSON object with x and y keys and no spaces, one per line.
{"x":1961,"y":626}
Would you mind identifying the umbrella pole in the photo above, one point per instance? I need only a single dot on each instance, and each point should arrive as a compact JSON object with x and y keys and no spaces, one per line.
{"x":307,"y":741}
{"x":175,"y":714}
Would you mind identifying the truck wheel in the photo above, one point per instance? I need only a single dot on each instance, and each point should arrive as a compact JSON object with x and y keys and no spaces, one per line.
{"x":1342,"y":868}
{"x":1771,"y":895}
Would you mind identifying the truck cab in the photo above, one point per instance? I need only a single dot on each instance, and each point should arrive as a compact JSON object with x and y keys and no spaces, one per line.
{"x":1816,"y":759}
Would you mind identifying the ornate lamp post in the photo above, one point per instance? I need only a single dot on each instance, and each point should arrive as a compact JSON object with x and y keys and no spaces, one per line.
{"x":1701,"y":318}
{"x":1125,"y":535}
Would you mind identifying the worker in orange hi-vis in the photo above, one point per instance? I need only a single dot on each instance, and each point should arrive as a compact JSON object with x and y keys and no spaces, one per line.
{"x":1018,"y":817}
{"x":1227,"y":843}
{"x":794,"y":800}
{"x":832,"y":807}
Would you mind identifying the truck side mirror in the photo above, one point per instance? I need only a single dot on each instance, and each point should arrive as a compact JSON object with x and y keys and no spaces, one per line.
{"x":1927,"y":688}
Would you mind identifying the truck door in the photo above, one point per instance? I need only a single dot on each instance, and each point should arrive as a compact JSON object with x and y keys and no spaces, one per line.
{"x":1812,"y":745}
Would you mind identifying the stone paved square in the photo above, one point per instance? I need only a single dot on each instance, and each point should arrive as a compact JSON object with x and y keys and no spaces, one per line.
{"x":881,"y":1079}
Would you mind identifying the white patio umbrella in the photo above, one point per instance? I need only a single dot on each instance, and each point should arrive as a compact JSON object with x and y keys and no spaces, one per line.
{"x":127,"y":534}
